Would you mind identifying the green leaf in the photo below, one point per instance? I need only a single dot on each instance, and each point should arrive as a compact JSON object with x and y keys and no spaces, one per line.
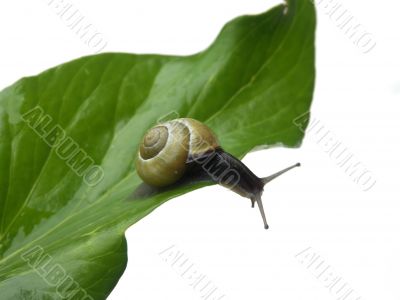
{"x":57,"y":230}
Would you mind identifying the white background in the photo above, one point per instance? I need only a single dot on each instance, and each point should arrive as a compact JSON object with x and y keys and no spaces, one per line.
{"x":355,"y":232}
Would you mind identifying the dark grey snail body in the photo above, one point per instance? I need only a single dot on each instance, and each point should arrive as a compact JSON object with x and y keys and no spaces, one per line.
{"x":181,"y":147}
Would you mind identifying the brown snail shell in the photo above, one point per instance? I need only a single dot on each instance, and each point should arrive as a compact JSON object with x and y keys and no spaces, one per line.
{"x":167,"y":148}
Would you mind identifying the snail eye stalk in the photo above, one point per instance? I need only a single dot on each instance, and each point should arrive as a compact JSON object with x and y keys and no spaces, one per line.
{"x":265,"y":180}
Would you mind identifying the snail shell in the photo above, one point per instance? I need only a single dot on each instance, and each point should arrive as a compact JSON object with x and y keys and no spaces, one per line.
{"x":167,"y":148}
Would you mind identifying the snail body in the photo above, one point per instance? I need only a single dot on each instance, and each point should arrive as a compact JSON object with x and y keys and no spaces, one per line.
{"x":172,"y":150}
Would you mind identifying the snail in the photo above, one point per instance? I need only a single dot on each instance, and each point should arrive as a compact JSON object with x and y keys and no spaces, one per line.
{"x":171,"y":150}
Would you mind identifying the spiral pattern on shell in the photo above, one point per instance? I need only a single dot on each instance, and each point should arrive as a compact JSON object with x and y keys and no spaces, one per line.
{"x":166,"y":150}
